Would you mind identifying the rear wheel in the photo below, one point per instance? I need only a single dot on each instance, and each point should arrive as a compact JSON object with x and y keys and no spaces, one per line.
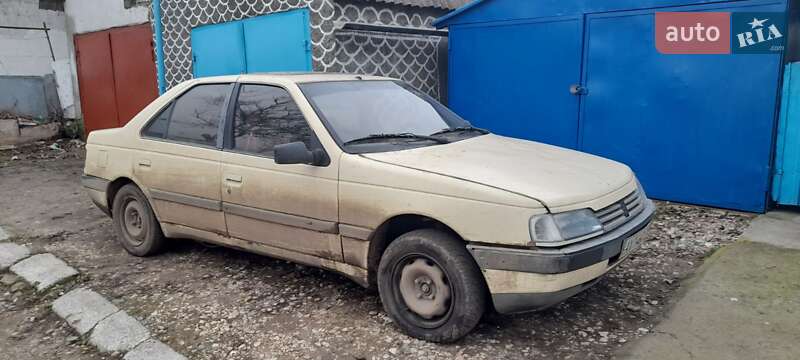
{"x":430,"y":286}
{"x":135,"y":223}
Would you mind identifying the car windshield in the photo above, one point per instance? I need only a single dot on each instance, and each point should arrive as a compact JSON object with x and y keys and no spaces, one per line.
{"x":374,"y":116}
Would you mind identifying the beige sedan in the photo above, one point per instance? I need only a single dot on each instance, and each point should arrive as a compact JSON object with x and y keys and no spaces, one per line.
{"x":370,"y":178}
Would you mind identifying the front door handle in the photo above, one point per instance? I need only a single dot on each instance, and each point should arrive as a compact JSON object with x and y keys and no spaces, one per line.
{"x":144,"y":163}
{"x":233,"y":178}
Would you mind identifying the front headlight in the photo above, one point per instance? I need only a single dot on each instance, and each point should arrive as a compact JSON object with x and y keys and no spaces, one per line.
{"x":552,"y":229}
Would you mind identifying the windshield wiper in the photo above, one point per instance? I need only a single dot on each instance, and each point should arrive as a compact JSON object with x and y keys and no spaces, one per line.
{"x":460,"y":129}
{"x":398,"y":136}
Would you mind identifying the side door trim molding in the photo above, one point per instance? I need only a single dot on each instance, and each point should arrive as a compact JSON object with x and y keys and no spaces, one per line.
{"x":323,"y":226}
{"x":209,"y":204}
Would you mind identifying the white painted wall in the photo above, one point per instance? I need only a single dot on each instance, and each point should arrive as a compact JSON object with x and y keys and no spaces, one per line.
{"x":93,"y":15}
{"x":25,"y":52}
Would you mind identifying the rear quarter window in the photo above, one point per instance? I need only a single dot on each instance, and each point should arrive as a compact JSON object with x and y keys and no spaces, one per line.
{"x":194,"y":117}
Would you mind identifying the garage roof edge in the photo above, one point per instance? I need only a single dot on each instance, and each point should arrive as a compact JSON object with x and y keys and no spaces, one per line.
{"x":444,"y":21}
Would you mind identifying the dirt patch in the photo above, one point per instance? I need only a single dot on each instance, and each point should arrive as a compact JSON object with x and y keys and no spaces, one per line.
{"x":214,"y":303}
{"x":42,"y":151}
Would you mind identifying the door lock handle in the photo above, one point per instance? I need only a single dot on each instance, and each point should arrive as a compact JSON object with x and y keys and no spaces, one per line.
{"x":144,"y":163}
{"x":233,"y":178}
{"x":577,"y":89}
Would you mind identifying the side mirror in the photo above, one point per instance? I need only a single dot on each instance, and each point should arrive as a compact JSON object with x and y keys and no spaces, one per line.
{"x":298,"y":153}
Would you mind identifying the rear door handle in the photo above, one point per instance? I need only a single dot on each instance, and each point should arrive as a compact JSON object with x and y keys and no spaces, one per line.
{"x":144,"y":163}
{"x":233,"y":178}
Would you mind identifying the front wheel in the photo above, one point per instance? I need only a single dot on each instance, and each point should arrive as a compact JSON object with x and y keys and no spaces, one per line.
{"x":430,"y":286}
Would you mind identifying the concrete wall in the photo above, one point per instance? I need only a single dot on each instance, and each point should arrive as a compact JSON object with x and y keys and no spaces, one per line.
{"x":29,"y":96}
{"x":92,"y":15}
{"x":25,"y":55}
{"x":25,"y":52}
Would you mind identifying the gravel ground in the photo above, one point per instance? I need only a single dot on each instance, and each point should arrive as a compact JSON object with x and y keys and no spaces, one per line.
{"x":215,"y":303}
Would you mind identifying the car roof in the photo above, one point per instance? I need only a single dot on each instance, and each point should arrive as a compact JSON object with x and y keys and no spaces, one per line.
{"x":295,"y":77}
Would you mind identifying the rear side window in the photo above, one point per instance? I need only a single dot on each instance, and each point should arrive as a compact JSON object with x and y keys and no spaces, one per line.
{"x":194,"y":117}
{"x":158,"y":126}
{"x":266,"y":116}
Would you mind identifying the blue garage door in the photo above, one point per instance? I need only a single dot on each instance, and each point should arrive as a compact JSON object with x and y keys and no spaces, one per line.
{"x":535,"y":102}
{"x":695,"y":128}
{"x":267,"y":43}
{"x":672,"y":118}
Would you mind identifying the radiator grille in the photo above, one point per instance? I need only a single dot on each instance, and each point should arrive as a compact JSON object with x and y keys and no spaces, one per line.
{"x":620,"y":212}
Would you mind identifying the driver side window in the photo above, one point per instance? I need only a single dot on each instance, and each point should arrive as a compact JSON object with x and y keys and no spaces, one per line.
{"x":266,"y":116}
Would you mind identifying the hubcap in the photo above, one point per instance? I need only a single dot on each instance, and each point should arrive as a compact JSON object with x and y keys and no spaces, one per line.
{"x":134,"y":220}
{"x":424,"y":288}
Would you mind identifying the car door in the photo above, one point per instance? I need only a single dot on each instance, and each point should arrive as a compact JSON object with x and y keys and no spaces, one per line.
{"x":180,"y":165}
{"x":290,"y":207}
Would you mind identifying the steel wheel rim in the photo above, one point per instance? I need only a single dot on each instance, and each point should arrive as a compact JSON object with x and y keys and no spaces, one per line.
{"x":134,"y":221}
{"x":423,"y":290}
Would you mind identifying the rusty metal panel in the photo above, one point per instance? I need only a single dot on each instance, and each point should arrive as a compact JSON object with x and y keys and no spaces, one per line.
{"x":95,"y":74}
{"x":135,"y":81}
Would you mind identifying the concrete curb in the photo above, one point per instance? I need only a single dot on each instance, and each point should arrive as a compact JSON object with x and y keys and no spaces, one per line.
{"x":82,"y":309}
{"x":43,"y":270}
{"x":87,"y":312}
{"x":11,"y":253}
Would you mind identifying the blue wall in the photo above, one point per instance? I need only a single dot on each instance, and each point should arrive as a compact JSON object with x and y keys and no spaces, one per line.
{"x":695,"y":128}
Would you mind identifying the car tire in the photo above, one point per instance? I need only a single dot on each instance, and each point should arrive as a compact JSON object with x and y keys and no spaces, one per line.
{"x":135,"y":223}
{"x":431,"y":286}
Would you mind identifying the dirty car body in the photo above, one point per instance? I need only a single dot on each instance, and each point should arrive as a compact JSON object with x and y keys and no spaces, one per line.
{"x":337,"y":171}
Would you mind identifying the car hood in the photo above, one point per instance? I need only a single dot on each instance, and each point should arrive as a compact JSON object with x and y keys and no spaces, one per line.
{"x":556,"y":177}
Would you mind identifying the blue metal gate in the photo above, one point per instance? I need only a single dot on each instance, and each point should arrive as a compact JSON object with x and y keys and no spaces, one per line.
{"x":786,"y":183}
{"x":267,"y":43}
{"x":534,"y":103}
{"x":695,"y":128}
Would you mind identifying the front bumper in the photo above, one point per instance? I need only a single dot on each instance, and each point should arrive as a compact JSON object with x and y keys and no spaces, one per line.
{"x":527,"y":280}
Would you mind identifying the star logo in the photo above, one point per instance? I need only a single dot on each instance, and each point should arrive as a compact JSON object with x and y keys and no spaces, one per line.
{"x":757,"y":23}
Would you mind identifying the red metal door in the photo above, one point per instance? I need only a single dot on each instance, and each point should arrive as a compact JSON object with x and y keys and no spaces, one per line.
{"x":135,"y":82}
{"x":116,"y":75}
{"x":96,"y":81}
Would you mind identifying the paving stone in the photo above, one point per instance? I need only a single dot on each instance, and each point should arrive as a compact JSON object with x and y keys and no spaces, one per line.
{"x":43,"y":270}
{"x":9,"y":279}
{"x":19,"y":286}
{"x":3,"y":235}
{"x":153,"y":350}
{"x":118,"y":332}
{"x":82,"y":309}
{"x":10,"y":253}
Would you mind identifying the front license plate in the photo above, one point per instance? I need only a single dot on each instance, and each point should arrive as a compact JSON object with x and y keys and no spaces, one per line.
{"x":630,"y":244}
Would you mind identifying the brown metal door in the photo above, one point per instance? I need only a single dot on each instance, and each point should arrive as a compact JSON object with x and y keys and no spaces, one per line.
{"x":116,"y":75}
{"x":135,"y":82}
{"x":96,"y":81}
